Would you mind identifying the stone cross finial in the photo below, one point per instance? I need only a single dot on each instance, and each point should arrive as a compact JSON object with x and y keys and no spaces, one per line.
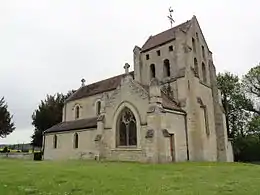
{"x":83,"y":82}
{"x":126,"y":67}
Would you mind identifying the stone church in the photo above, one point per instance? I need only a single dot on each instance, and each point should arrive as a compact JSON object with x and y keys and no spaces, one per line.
{"x":167,"y":110}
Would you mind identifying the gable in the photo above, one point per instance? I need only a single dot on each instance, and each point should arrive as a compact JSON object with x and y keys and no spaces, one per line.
{"x":196,"y":23}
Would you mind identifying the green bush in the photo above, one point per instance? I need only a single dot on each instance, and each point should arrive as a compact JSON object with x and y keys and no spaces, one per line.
{"x":37,"y":156}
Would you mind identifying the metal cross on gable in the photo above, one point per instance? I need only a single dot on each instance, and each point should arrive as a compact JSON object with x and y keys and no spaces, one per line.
{"x":170,"y":16}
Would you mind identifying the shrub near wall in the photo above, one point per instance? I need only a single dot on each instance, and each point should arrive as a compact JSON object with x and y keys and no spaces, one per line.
{"x":37,"y":156}
{"x":247,"y":149}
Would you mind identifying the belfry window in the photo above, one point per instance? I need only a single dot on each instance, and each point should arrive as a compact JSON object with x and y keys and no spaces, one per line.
{"x":193,"y":45}
{"x":152,"y":71}
{"x":166,"y":68}
{"x":204,"y":73}
{"x":203,"y":51}
{"x":196,"y":67}
{"x":126,"y":129}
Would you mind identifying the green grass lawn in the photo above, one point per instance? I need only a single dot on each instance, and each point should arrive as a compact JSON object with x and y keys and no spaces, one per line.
{"x":19,"y":177}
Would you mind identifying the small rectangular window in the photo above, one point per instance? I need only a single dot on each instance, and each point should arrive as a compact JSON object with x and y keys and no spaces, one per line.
{"x":147,"y":56}
{"x":159,"y":53}
{"x":171,"y":48}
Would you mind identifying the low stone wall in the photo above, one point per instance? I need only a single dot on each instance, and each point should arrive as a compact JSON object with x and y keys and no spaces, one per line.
{"x":25,"y":156}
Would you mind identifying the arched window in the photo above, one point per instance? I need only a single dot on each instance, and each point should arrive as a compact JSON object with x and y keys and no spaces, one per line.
{"x":76,"y":140}
{"x":77,"y":112}
{"x":204,"y":73}
{"x":55,"y":141}
{"x":196,"y":67}
{"x":193,"y":45}
{"x":98,"y":107}
{"x":126,"y":129}
{"x":152,"y":71}
{"x":166,"y":68}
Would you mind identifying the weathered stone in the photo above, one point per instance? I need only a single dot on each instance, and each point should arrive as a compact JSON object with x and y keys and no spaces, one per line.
{"x":177,"y":109}
{"x":149,"y":133}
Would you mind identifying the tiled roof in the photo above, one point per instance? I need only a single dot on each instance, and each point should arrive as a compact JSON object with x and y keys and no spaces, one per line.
{"x":73,"y":125}
{"x":98,"y":87}
{"x":111,"y":84}
{"x":165,"y":36}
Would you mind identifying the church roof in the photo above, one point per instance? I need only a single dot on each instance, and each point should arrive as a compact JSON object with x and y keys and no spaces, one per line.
{"x":98,"y":87}
{"x":164,"y":37}
{"x":73,"y":125}
{"x":111,"y":84}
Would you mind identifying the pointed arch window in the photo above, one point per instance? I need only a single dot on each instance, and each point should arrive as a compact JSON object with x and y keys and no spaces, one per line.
{"x":194,"y":45}
{"x":55,"y":141}
{"x":196,"y":67}
{"x":76,"y":140}
{"x":204,"y":73}
{"x":98,"y":108}
{"x":152,"y":71}
{"x":77,"y":112}
{"x":126,"y":129}
{"x":166,"y":68}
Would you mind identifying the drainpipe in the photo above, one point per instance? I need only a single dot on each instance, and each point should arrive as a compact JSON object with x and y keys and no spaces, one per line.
{"x":187,"y":140}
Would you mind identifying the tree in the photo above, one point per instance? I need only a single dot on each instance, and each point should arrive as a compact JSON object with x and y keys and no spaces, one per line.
{"x":6,"y":124}
{"x":48,"y":113}
{"x":235,"y":103}
{"x":251,"y":85}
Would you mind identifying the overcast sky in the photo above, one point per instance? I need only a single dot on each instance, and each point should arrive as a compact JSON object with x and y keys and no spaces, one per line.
{"x":48,"y":46}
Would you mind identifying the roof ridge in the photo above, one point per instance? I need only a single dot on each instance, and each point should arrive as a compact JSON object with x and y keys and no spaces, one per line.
{"x":164,"y":37}
{"x":91,"y":89}
{"x":177,"y":26}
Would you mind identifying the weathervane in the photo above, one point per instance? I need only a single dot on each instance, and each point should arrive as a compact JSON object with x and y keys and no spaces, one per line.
{"x":170,"y":16}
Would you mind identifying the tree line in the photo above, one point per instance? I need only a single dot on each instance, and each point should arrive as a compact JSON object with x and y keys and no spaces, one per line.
{"x":240,"y":99}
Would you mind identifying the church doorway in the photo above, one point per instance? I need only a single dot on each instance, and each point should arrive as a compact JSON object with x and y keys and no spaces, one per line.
{"x":172,"y":147}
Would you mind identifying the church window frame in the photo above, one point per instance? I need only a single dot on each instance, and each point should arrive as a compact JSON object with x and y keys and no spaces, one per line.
{"x":55,"y":141}
{"x":196,"y":66}
{"x":77,"y":110}
{"x":76,"y":141}
{"x":203,"y":51}
{"x":152,"y":71}
{"x":147,"y":57}
{"x":170,"y":48}
{"x":166,"y":68}
{"x":197,"y":36}
{"x":98,"y":107}
{"x":204,"y":72}
{"x":126,"y":129}
{"x":206,"y":120}
{"x":194,"y":45}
